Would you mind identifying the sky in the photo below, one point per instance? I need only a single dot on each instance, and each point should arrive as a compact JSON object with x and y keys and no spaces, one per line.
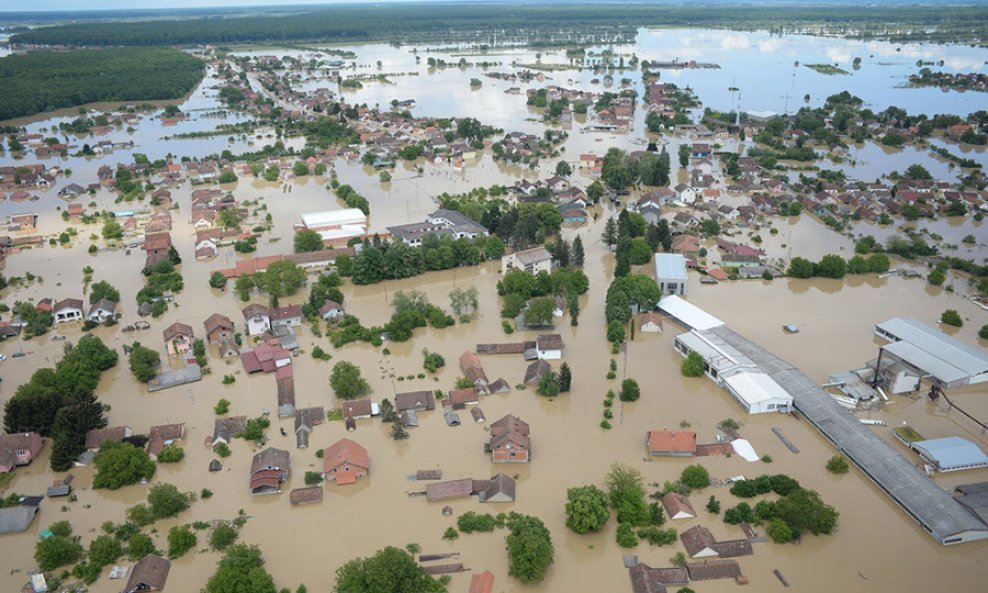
{"x":57,"y":5}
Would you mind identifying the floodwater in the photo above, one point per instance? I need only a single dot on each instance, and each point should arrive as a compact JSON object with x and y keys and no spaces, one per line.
{"x":308,"y":544}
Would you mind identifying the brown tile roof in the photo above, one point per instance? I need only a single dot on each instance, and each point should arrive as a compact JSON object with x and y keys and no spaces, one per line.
{"x":713,"y":569}
{"x":308,"y":495}
{"x":696,"y":539}
{"x":549,"y":342}
{"x":68,"y":303}
{"x":645,"y":579}
{"x":357,"y":408}
{"x":157,"y":241}
{"x":482,"y":583}
{"x":285,"y":380}
{"x":270,"y":458}
{"x":345,"y":451}
{"x":286,"y":312}
{"x":177,"y":329}
{"x":114,"y":434}
{"x":469,"y":360}
{"x":676,"y":441}
{"x":675,"y":503}
{"x":149,"y":574}
{"x":449,"y":490}
{"x":536,"y":371}
{"x":255,"y":309}
{"x":217,"y":321}
{"x":415,"y":400}
{"x":733,"y":548}
{"x":461,"y":397}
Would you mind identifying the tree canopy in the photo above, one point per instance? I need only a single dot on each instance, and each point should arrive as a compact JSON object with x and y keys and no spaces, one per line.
{"x":347,"y":381}
{"x":46,"y":80}
{"x":586,"y":509}
{"x":390,"y":570}
{"x":530,"y":550}
{"x":120,"y":464}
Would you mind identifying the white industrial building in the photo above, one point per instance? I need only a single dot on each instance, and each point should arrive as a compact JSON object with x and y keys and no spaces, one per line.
{"x":950,"y":454}
{"x":918,"y":351}
{"x":337,"y":225}
{"x":758,"y":393}
{"x":670,"y":273}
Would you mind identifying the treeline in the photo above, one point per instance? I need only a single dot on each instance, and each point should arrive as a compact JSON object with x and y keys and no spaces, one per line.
{"x":61,"y":403}
{"x":380,"y":260}
{"x":346,"y":23}
{"x":42,"y":81}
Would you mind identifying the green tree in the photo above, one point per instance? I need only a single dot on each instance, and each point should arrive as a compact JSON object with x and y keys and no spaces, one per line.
{"x":917,"y":171}
{"x":586,"y":509}
{"x":181,"y":539}
{"x":695,"y":476}
{"x":630,"y":392}
{"x":565,"y":378}
{"x":144,"y":362}
{"x":595,"y":191}
{"x":626,"y":537}
{"x":838,"y":465}
{"x":228,"y":177}
{"x":56,"y":551}
{"x":693,"y":365}
{"x":983,"y":332}
{"x":610,"y":234}
{"x":217,"y":280}
{"x":104,"y":550}
{"x":222,"y":537}
{"x":300,"y":169}
{"x":539,"y":311}
{"x":347,"y":382}
{"x":241,"y":570}
{"x":640,"y":252}
{"x":684,"y":155}
{"x":530,"y":549}
{"x":121,"y":464}
{"x":103,"y":290}
{"x":140,"y":545}
{"x":390,"y":570}
{"x":563,"y":169}
{"x":171,"y":454}
{"x":800,"y":268}
{"x":165,"y":500}
{"x":548,"y":384}
{"x":578,"y":255}
{"x":112,"y":230}
{"x":830,"y":266}
{"x":951,"y":317}
{"x":804,"y":510}
{"x":626,"y":490}
{"x":306,"y":240}
{"x":398,"y":431}
{"x":615,"y":332}
{"x":464,"y":301}
{"x":282,"y":278}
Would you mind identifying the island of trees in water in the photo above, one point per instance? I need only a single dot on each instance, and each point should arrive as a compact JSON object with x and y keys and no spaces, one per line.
{"x":532,"y":23}
{"x":41,"y":81}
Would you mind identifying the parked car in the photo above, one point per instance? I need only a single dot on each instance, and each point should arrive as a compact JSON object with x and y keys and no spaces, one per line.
{"x":58,"y":337}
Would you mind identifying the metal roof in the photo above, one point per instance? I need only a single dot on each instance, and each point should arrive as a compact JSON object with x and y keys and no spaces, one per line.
{"x":928,"y":363}
{"x":346,"y":216}
{"x":952,"y":453}
{"x":932,"y":507}
{"x":756,"y":388}
{"x":688,"y":314}
{"x":670,"y":266}
{"x":937,"y":344}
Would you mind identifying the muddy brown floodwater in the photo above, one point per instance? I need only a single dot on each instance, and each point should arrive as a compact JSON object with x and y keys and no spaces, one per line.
{"x":876,"y":547}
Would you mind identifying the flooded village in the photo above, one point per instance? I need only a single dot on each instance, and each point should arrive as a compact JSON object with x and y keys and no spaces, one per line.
{"x":425,"y":296}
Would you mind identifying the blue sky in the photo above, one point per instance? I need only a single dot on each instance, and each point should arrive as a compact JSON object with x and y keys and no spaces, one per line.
{"x":56,"y":5}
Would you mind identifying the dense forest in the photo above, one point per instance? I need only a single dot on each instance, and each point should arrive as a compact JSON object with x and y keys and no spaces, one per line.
{"x":412,"y":22}
{"x":41,"y":81}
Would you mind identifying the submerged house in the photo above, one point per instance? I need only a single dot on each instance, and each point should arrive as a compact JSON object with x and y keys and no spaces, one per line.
{"x":345,"y":462}
{"x":150,"y":574}
{"x":268,"y":470}
{"x":510,"y":441}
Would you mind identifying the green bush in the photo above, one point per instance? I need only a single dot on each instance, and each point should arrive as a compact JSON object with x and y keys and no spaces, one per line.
{"x":695,"y":477}
{"x":222,"y":537}
{"x":951,"y":317}
{"x":180,"y":540}
{"x":171,"y":454}
{"x":693,"y":365}
{"x":626,"y":537}
{"x":470,"y":522}
{"x":313,"y":478}
{"x":222,"y":407}
{"x":838,"y":465}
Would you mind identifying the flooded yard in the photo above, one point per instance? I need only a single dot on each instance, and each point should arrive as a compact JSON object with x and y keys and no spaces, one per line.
{"x":876,"y":546}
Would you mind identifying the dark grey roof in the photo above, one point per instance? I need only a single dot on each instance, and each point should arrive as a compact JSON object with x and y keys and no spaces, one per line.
{"x":149,"y":574}
{"x":932,"y":507}
{"x":16,"y":519}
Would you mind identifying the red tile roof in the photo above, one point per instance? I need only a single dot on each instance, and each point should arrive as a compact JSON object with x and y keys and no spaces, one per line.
{"x":672,"y":440}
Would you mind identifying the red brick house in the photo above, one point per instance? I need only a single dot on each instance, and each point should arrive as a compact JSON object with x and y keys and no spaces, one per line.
{"x":18,"y":449}
{"x":345,"y":462}
{"x":510,"y":442}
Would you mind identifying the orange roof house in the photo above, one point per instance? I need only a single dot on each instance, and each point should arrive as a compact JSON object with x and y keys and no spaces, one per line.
{"x":345,"y":461}
{"x":671,"y":443}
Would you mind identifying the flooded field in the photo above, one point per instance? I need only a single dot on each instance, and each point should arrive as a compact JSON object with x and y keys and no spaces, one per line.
{"x":876,"y":547}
